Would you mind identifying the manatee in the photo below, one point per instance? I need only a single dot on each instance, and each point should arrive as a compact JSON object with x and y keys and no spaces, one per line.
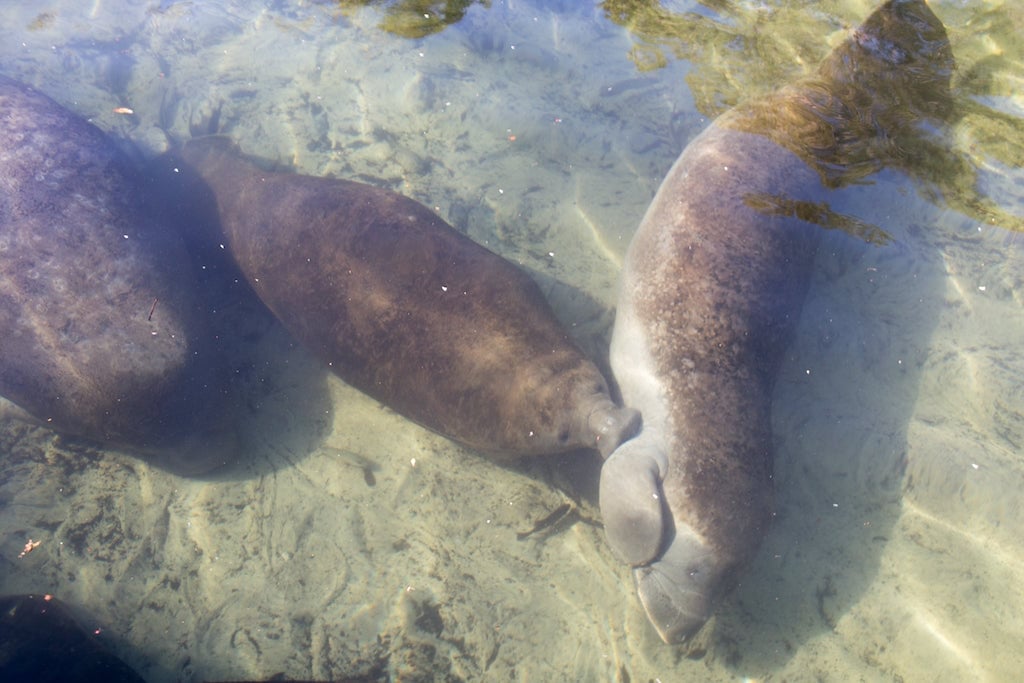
{"x":42,"y":639}
{"x":711,"y":292}
{"x":399,"y":304}
{"x":101,"y":333}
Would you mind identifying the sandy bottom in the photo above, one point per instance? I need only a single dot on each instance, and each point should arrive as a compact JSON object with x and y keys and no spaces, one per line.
{"x":350,"y":543}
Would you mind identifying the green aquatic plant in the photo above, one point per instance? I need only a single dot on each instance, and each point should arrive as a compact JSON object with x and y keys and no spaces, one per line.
{"x":416,"y":18}
{"x":739,"y":51}
{"x":736,"y":51}
{"x":43,"y":21}
{"x":989,"y":144}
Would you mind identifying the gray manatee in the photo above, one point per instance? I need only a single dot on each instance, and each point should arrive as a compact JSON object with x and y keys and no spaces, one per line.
{"x":399,"y":304}
{"x":712,"y":289}
{"x":101,"y":335}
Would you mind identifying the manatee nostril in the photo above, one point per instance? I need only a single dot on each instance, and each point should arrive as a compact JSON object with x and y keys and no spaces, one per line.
{"x":563,"y":436}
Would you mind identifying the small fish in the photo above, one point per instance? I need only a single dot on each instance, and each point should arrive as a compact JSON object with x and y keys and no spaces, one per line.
{"x":549,"y":520}
{"x":354,"y":459}
{"x":123,"y":110}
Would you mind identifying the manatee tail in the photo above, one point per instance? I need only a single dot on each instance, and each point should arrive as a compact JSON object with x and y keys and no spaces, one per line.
{"x":902,"y":53}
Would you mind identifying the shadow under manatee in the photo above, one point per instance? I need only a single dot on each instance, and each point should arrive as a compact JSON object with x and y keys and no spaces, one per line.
{"x":274,"y":382}
{"x":842,"y":404}
{"x":42,"y":640}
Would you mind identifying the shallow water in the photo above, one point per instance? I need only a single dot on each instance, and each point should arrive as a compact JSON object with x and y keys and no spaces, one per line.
{"x":542,"y":130}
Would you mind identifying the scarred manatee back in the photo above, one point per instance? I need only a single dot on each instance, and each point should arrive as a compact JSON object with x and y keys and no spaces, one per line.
{"x":100,"y":330}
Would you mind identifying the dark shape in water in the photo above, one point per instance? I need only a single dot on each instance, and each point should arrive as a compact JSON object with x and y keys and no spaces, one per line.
{"x":41,"y":641}
{"x":100,"y":333}
{"x":712,"y":288}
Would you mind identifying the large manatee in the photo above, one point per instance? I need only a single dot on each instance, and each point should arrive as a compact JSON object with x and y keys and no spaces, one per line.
{"x":712,"y":289}
{"x":400,"y":305}
{"x":100,"y":331}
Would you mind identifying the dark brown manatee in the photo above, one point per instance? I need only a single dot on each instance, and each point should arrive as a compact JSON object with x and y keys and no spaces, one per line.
{"x":711,"y":292}
{"x":402,"y":306}
{"x":100,"y":335}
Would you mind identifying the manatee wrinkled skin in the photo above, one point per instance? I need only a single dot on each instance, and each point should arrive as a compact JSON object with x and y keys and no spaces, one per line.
{"x":712,"y":290}
{"x":399,"y":304}
{"x":100,"y":336}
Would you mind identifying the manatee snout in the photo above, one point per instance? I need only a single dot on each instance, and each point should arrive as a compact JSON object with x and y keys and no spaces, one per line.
{"x":608,"y":423}
{"x":586,"y":415}
{"x":679,"y":589}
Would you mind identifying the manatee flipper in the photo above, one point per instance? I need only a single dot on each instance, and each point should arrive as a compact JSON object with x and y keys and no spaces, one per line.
{"x":632,"y":502}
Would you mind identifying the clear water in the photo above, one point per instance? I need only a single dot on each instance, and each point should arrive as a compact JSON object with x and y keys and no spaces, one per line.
{"x":542,"y":130}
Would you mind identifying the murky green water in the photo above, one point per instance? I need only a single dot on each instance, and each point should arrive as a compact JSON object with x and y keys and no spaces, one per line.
{"x":542,"y":130}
